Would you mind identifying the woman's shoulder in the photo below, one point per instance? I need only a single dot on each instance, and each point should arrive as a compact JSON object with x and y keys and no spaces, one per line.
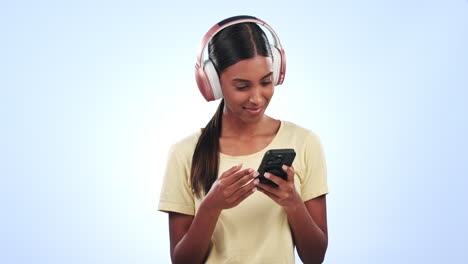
{"x":299,"y":131}
{"x":302,"y":138}
{"x":186,"y":145}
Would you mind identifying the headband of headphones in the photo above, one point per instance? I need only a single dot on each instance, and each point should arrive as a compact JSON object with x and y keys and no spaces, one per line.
{"x":205,"y":73}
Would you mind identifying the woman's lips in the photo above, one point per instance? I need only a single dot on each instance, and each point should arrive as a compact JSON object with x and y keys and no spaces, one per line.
{"x":253,"y":110}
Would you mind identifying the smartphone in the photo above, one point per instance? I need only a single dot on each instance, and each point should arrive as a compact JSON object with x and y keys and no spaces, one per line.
{"x":272,"y":162}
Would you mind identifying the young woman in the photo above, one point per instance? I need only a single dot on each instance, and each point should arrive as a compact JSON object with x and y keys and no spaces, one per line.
{"x":218,"y":211}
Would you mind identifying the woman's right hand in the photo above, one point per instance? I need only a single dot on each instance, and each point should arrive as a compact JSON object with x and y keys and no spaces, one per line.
{"x":229,"y":190}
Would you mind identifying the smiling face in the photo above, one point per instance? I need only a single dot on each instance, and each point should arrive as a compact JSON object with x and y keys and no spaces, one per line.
{"x":247,"y":88}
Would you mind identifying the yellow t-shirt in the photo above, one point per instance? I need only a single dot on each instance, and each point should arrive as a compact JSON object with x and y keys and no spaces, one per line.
{"x":256,"y":230}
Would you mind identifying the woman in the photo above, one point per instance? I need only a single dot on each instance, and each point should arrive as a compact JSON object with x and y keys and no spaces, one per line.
{"x":218,"y":211}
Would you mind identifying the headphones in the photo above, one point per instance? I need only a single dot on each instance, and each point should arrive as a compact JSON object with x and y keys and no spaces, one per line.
{"x":205,"y":73}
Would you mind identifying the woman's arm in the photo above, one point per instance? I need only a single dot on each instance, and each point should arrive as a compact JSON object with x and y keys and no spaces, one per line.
{"x":191,"y":235}
{"x":308,"y":222}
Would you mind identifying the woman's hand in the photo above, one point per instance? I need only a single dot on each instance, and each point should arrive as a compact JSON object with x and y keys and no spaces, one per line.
{"x":285,"y":194}
{"x":229,"y":190}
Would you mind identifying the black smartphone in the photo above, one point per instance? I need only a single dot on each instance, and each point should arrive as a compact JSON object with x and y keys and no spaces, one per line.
{"x":272,"y":162}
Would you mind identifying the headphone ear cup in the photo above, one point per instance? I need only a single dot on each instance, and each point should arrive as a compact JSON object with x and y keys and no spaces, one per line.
{"x":276,"y":63}
{"x":213,"y":78}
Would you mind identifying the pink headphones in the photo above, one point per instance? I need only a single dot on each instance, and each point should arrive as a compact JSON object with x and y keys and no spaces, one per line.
{"x":205,"y":73}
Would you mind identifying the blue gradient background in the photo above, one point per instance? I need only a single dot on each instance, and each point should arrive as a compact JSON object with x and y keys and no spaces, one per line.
{"x":93,"y":93}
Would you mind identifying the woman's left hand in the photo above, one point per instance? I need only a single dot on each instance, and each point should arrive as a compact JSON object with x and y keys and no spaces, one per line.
{"x":285,"y":194}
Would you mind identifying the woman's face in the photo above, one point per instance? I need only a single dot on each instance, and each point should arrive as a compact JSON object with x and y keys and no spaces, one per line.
{"x":247,"y":86}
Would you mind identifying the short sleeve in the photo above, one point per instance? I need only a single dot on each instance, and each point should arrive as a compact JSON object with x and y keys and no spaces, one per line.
{"x":315,"y":170}
{"x":176,"y":193}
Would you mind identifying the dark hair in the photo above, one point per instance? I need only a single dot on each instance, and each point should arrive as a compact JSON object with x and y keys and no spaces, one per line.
{"x":229,"y":46}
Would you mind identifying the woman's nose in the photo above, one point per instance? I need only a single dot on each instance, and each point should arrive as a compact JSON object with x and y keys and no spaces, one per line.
{"x":256,"y":96}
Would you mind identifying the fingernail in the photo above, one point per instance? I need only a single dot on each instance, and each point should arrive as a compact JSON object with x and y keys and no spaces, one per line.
{"x":256,"y":181}
{"x":256,"y":174}
{"x":267,"y":175}
{"x":251,"y":170}
{"x":285,"y":167}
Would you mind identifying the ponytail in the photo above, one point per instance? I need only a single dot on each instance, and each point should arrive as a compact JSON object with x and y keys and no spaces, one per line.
{"x":205,"y":160}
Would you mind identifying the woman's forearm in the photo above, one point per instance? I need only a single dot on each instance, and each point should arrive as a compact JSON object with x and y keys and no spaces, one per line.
{"x":193,"y":247}
{"x":311,"y":241}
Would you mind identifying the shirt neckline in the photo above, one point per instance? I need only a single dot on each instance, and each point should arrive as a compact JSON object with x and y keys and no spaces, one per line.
{"x":275,"y":138}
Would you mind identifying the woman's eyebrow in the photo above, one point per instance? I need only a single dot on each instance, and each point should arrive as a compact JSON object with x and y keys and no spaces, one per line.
{"x":243,"y":80}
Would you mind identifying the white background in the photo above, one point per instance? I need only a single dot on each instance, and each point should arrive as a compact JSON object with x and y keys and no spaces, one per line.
{"x":93,"y":93}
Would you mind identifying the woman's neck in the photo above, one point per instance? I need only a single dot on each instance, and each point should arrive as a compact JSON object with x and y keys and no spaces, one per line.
{"x":235,"y":127}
